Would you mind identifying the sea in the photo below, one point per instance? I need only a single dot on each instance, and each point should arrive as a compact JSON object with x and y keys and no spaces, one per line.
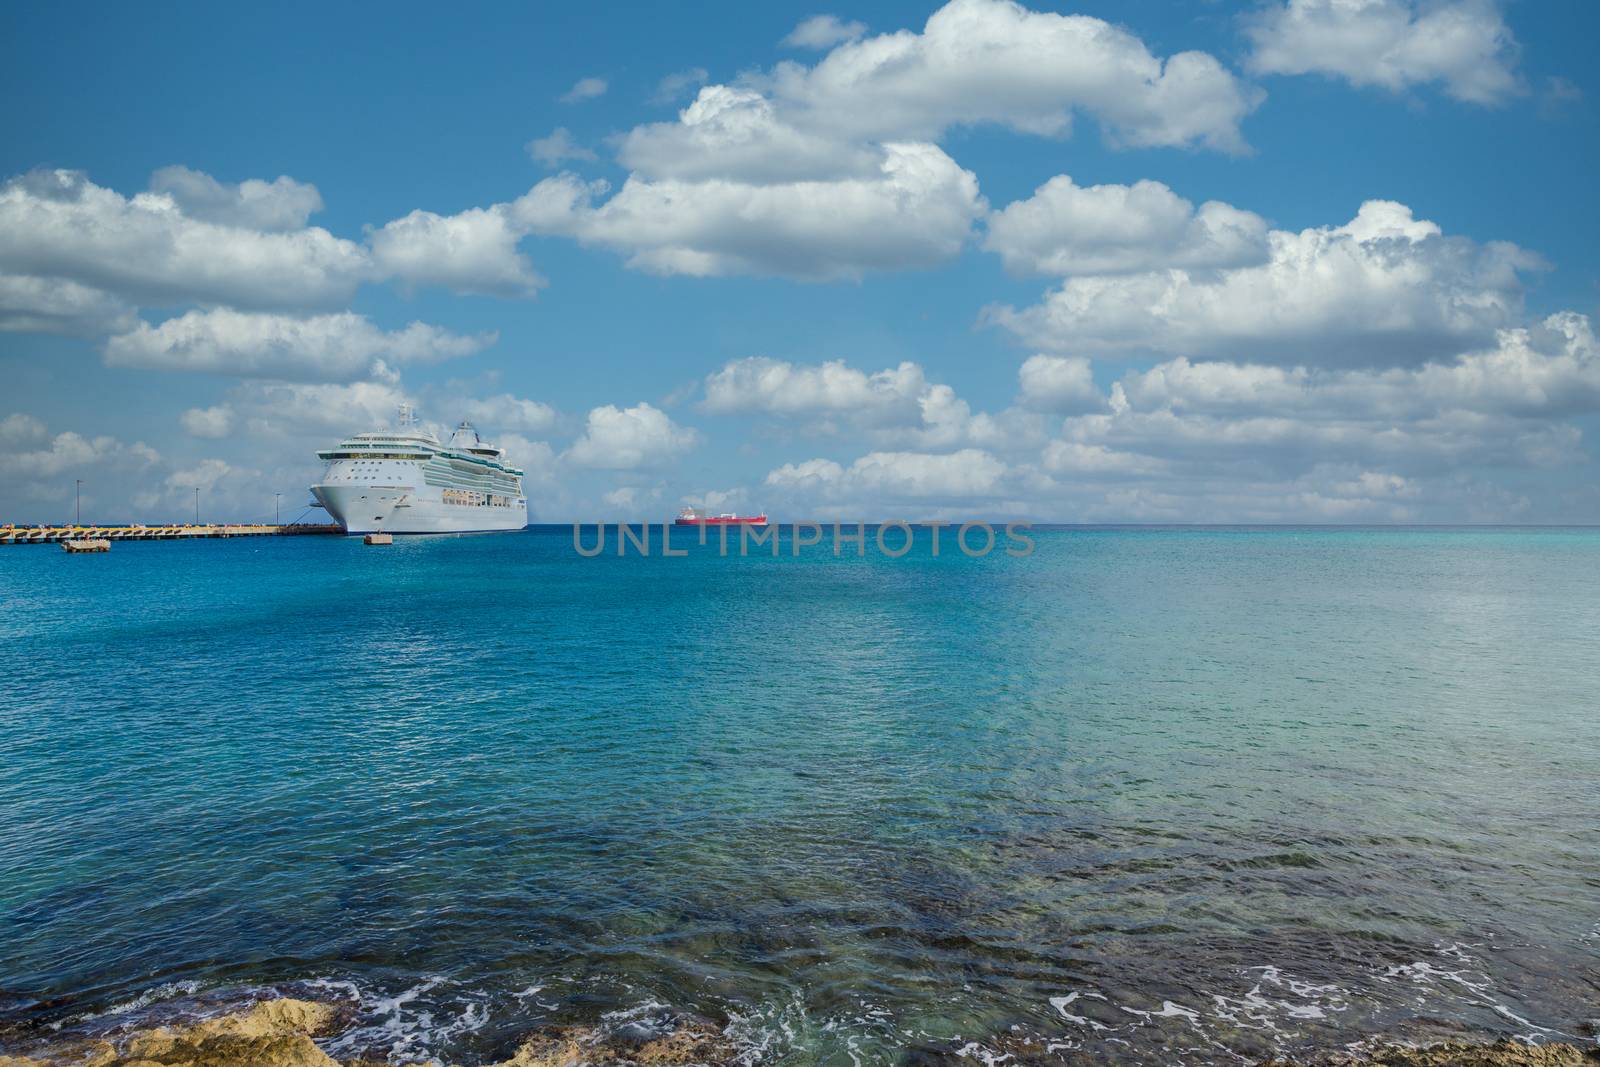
{"x":1136,"y":795}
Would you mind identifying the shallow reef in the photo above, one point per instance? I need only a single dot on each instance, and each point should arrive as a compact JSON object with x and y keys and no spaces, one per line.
{"x":283,"y":1033}
{"x":1456,"y":1054}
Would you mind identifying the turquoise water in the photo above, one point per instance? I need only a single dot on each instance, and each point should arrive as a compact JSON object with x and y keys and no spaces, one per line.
{"x":1144,"y":795}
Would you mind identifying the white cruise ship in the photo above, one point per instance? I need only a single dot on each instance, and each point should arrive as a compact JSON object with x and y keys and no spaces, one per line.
{"x":403,"y":481}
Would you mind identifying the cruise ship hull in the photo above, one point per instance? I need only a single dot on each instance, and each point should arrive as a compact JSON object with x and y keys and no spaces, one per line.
{"x":402,"y":509}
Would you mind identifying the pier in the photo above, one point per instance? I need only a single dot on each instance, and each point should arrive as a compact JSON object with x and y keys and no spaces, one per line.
{"x":40,"y":535}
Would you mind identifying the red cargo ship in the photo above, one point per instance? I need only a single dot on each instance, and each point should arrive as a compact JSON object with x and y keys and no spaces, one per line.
{"x":696,"y":517}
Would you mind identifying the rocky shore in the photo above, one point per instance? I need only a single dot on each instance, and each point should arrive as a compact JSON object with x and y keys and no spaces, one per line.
{"x":283,"y":1033}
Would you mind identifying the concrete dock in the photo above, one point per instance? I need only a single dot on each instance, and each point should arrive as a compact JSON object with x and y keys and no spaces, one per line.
{"x":40,"y":535}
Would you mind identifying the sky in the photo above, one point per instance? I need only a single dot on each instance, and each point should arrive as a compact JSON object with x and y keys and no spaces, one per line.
{"x":1326,"y":261}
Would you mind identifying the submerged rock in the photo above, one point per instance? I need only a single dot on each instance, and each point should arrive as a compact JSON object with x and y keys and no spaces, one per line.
{"x":1456,"y":1054}
{"x":279,"y":1033}
{"x":692,"y":1043}
{"x":273,"y":1033}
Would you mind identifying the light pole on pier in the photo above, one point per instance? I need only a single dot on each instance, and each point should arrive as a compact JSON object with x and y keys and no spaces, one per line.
{"x":197,"y":505}
{"x":78,"y":496}
{"x":275,"y":497}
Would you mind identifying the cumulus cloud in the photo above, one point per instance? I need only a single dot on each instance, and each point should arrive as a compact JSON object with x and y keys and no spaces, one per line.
{"x":1231,"y":441}
{"x":894,"y":406}
{"x":536,"y":459}
{"x":1066,"y":229}
{"x":772,"y":386}
{"x":630,"y":438}
{"x":558,"y":146}
{"x":889,"y":476}
{"x":824,"y":31}
{"x":1060,"y":384}
{"x":1464,"y":45}
{"x":829,"y":171}
{"x":281,"y":204}
{"x":737,"y":134}
{"x":1384,"y":288}
{"x":256,"y":344}
{"x":1551,"y":370}
{"x":471,"y":252}
{"x":505,"y":412}
{"x":20,"y":428}
{"x":55,"y":305}
{"x":994,"y":61}
{"x":1226,"y":441}
{"x":204,"y":475}
{"x":584,"y":89}
{"x":212,"y":422}
{"x":916,"y":211}
{"x":38,"y":466}
{"x":306,"y":414}
{"x":57,"y":224}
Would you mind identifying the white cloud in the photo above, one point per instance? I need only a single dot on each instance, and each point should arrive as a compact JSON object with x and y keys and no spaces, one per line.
{"x":678,"y":84}
{"x":812,"y":475}
{"x":281,"y":204}
{"x":1551,"y":370}
{"x":1061,"y":384}
{"x":68,"y":453}
{"x":584,"y":89}
{"x":1069,"y":229}
{"x":55,"y":305}
{"x":980,"y":61}
{"x":1237,"y":442}
{"x":306,"y":415}
{"x":737,"y":134}
{"x":536,"y":458}
{"x":254,"y":344}
{"x":1085,"y":460}
{"x":877,"y":476}
{"x":212,"y":422}
{"x":1464,"y":45}
{"x":828,"y":172}
{"x":895,"y":406}
{"x":504,"y":413}
{"x":19,"y":429}
{"x":558,"y":146}
{"x":146,"y":250}
{"x":205,"y":476}
{"x":778,"y":387}
{"x":1384,"y":288}
{"x":916,"y":211}
{"x":824,"y":31}
{"x":471,"y":252}
{"x":1225,"y":441}
{"x":630,"y":438}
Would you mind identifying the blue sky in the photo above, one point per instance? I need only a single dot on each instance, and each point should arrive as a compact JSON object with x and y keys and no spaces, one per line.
{"x":1081,"y":262}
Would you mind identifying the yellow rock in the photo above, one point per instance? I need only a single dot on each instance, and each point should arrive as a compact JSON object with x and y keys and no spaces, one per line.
{"x":273,"y":1033}
{"x":1460,"y":1054}
{"x":73,"y":1053}
{"x":273,"y":1018}
{"x":562,"y":1048}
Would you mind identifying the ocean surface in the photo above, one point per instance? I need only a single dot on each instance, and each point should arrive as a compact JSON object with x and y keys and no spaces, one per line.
{"x":1145,"y":795}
